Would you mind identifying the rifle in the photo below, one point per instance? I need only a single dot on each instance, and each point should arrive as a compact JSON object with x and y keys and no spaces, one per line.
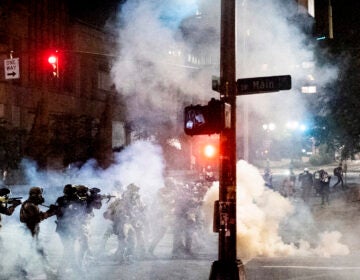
{"x":107,"y":196}
{"x":11,"y":200}
{"x":95,"y":194}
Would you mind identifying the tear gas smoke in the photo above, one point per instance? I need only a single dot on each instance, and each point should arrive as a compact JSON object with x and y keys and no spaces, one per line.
{"x":139,"y":163}
{"x":152,"y":72}
{"x":152,"y":69}
{"x":260,"y":214}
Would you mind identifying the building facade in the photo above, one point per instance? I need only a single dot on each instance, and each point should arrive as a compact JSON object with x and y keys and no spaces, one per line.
{"x":32,"y":30}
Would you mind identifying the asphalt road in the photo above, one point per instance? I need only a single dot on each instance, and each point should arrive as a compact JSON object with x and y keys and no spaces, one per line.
{"x":341,"y":215}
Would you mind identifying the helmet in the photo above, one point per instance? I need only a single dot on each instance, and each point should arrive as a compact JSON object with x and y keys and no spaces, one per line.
{"x":306,"y":169}
{"x":35,"y":195}
{"x":82,"y":191}
{"x":68,"y":189}
{"x":4,"y":191}
{"x":35,"y":191}
{"x":133,"y":187}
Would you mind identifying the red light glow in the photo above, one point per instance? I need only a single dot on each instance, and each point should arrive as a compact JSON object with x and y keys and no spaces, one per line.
{"x":52,"y":59}
{"x":209,"y":151}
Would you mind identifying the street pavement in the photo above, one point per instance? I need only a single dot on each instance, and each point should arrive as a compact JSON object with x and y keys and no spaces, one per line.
{"x":338,"y":215}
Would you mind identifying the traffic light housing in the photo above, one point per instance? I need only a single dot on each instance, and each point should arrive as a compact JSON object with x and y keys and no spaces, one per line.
{"x":53,"y":62}
{"x":208,"y":119}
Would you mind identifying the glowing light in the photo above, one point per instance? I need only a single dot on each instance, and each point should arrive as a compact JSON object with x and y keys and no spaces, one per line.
{"x":209,"y":151}
{"x":52,"y":59}
{"x":269,"y":126}
{"x":308,"y":89}
{"x":303,"y":127}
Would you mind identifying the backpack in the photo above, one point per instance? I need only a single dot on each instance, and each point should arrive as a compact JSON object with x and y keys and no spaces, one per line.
{"x":337,"y":171}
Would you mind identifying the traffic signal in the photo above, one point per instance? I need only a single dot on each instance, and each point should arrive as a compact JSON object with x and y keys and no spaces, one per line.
{"x":53,"y":60}
{"x":208,"y":119}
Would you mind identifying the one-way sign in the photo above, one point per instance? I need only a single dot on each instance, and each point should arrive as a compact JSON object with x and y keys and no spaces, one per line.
{"x":11,"y":67}
{"x":263,"y":84}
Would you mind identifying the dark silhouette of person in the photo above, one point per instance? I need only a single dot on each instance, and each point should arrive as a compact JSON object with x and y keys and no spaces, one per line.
{"x":338,"y":172}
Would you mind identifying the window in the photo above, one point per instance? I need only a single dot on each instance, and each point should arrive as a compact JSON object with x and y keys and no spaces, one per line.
{"x":104,"y":80}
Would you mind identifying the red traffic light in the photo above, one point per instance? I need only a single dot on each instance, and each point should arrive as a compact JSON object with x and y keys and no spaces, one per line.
{"x":209,"y":151}
{"x":53,"y":60}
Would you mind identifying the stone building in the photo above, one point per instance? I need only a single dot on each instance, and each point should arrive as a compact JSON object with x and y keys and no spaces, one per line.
{"x":32,"y":98}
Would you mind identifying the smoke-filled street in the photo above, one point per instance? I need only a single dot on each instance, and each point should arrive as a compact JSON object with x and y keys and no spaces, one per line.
{"x":278,"y":238}
{"x":148,"y":139}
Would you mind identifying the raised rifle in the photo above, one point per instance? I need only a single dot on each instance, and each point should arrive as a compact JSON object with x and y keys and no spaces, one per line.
{"x":15,"y":199}
{"x":107,"y":196}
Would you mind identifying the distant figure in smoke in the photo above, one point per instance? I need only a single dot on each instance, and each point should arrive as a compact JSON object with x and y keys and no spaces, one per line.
{"x":292,"y":176}
{"x":268,"y":178}
{"x":324,"y":187}
{"x":137,"y":216}
{"x":30,"y":213}
{"x":338,"y":172}
{"x":164,"y":208}
{"x":117,"y":212}
{"x":287,"y":188}
{"x":306,"y":183}
{"x":128,"y":223}
{"x":185,"y":211}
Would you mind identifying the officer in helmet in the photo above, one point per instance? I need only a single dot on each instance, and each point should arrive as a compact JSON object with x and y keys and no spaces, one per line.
{"x":5,"y":207}
{"x":30,"y":213}
{"x":67,"y":222}
{"x":137,"y":218}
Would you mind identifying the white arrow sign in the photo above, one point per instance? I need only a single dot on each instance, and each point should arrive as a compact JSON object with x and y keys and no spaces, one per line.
{"x":12,"y":68}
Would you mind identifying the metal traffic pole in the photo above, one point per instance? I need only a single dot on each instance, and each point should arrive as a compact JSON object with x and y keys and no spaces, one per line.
{"x":227,"y":266}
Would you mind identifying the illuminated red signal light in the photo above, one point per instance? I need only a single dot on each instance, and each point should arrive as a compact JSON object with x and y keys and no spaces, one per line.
{"x":209,"y":151}
{"x":52,"y":59}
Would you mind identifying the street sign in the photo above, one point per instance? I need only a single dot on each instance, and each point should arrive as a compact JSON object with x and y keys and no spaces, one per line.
{"x":12,"y":68}
{"x":263,"y":84}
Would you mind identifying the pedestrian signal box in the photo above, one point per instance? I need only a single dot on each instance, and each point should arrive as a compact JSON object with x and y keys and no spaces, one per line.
{"x":207,"y":119}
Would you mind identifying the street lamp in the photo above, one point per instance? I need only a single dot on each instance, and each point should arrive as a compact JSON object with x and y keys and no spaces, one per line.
{"x":269,"y":126}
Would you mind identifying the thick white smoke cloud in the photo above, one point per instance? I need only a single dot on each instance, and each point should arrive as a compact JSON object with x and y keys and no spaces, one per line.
{"x":269,"y":42}
{"x":260,"y":215}
{"x":139,"y":163}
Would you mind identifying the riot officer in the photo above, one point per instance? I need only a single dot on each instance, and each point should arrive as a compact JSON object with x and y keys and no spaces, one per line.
{"x":137,"y":218}
{"x":30,"y":213}
{"x":7,"y":207}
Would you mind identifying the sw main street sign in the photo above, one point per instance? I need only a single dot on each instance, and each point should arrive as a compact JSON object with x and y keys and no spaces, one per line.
{"x":11,"y":67}
{"x":263,"y":84}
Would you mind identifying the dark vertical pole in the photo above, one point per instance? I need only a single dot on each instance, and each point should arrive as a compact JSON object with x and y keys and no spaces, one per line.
{"x":227,"y":194}
{"x":227,"y":267}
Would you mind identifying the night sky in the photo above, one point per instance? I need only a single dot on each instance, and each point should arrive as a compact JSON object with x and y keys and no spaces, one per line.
{"x":95,"y":11}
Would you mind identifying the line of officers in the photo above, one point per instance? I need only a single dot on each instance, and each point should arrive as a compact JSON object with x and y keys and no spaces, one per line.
{"x":176,"y":208}
{"x":73,"y":210}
